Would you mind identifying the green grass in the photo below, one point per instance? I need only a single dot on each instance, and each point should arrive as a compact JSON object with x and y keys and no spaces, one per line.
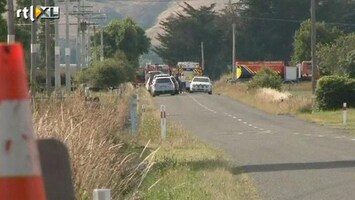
{"x":186,"y":168}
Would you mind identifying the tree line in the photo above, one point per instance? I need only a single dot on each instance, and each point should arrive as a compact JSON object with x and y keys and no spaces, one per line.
{"x":265,"y":30}
{"x":124,"y":43}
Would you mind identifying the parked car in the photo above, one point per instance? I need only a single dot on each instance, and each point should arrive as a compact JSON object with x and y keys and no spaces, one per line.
{"x":162,"y":85}
{"x":151,"y":74}
{"x":160,"y":75}
{"x":176,"y":83}
{"x":201,"y":84}
{"x":151,"y":79}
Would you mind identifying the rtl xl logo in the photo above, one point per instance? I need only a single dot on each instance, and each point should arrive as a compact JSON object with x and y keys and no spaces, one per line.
{"x":38,"y":12}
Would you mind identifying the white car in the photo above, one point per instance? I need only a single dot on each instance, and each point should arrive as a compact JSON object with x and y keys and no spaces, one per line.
{"x":201,"y":84}
{"x":151,"y":79}
{"x":162,"y":85}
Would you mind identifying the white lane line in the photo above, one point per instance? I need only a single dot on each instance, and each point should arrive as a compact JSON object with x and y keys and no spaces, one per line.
{"x":205,"y":107}
{"x":240,"y":133}
{"x":353,"y":139}
{"x":339,"y":137}
{"x":307,"y":134}
{"x":234,"y":117}
{"x":255,"y":127}
{"x":320,"y":135}
{"x":240,"y":120}
{"x":261,"y":129}
{"x":296,"y":133}
{"x":226,"y":113}
{"x":245,"y":122}
{"x":250,"y":124}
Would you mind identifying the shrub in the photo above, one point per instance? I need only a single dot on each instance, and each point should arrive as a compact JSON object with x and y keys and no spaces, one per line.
{"x":266,"y":78}
{"x":333,"y":90}
{"x":103,"y":74}
{"x":109,"y":73}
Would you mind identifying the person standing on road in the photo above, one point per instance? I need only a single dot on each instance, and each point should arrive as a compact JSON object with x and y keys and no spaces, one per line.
{"x":183,"y":83}
{"x":178,"y":80}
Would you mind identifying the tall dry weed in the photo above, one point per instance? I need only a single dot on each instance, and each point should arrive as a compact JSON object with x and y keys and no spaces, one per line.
{"x":93,"y":133}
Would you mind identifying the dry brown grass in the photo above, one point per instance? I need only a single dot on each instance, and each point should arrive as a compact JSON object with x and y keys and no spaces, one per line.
{"x":93,"y":135}
{"x":267,"y":100}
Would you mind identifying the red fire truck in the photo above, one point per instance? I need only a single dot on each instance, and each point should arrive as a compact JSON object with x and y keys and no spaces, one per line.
{"x":246,"y":69}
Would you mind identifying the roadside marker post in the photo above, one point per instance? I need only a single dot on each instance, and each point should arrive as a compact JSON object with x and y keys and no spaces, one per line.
{"x":20,"y":169}
{"x":163,"y":121}
{"x":102,"y":194}
{"x":345,"y":113}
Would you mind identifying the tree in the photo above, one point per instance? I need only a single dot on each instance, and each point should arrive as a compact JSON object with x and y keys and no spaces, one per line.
{"x":302,"y":39}
{"x":267,"y":27}
{"x":109,"y":73}
{"x":338,"y":58}
{"x":125,"y":36}
{"x":184,"y":33}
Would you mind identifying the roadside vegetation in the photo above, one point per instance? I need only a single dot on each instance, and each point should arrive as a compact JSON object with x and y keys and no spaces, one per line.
{"x":184,"y":167}
{"x":94,"y":134}
{"x":105,"y":155}
{"x":296,"y":99}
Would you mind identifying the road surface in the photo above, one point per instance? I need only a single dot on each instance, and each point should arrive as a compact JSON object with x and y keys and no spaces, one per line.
{"x":288,"y":159}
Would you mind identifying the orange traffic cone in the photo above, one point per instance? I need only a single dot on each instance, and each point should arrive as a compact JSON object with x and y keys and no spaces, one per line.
{"x":20,"y":172}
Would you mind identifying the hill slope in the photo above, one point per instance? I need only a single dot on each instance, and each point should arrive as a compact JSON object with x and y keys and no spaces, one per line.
{"x":175,"y":7}
{"x":147,"y":13}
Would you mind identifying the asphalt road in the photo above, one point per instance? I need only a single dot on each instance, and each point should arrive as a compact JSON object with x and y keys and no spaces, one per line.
{"x":287,"y":158}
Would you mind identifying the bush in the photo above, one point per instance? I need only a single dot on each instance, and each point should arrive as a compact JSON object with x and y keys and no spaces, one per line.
{"x":333,"y":90}
{"x":109,"y":73}
{"x":266,"y":78}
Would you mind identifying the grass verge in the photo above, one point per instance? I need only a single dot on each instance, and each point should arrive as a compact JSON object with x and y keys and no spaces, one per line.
{"x":298,"y":104}
{"x":94,"y":135}
{"x":184,"y":167}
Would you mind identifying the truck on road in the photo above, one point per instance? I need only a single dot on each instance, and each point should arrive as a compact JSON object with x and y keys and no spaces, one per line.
{"x":189,"y":69}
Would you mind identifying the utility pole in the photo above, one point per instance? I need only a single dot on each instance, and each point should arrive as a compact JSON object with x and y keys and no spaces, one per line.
{"x":102,"y":44}
{"x":233,"y":54}
{"x":57,"y":80}
{"x":88,"y":43}
{"x":10,"y":22}
{"x":67,"y":48}
{"x":78,"y":43}
{"x":83,"y":44}
{"x":203,"y":57}
{"x":313,"y":45}
{"x":34,"y":51}
{"x":48,"y":54}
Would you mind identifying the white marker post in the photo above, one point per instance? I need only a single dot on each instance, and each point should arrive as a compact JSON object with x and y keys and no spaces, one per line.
{"x":102,"y":194}
{"x":345,"y":113}
{"x":163,"y":121}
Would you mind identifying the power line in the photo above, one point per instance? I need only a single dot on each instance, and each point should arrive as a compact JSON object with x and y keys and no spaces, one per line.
{"x":294,"y":21}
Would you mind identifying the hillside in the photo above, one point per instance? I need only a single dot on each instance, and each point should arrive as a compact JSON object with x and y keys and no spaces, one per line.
{"x":147,"y":13}
{"x":175,"y":7}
